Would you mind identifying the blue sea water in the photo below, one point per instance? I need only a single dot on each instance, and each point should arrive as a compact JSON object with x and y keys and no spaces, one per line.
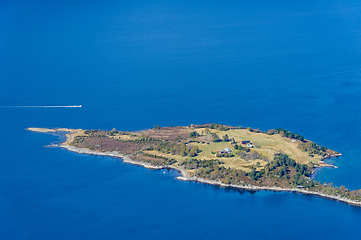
{"x":136,"y":64}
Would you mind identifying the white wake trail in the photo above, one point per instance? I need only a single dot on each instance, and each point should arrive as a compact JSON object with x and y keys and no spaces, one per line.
{"x":69,"y":106}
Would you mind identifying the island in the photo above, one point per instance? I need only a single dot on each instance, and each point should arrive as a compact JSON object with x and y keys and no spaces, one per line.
{"x":227,"y":156}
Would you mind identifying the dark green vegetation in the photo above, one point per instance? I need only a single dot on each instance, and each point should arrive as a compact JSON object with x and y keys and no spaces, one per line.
{"x":281,"y":167}
{"x":180,"y":146}
{"x":285,"y":133}
{"x":283,"y":172}
{"x":213,"y":170}
{"x":312,"y":148}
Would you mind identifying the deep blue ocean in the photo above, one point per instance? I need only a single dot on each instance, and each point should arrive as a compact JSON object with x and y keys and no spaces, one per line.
{"x":135,"y":64}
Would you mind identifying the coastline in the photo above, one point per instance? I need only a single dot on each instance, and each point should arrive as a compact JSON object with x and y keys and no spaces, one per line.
{"x":69,"y":134}
{"x":184,"y":176}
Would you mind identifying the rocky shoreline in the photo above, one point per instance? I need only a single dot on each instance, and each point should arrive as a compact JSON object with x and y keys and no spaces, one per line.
{"x":186,"y":177}
{"x":277,"y":189}
{"x":184,"y":174}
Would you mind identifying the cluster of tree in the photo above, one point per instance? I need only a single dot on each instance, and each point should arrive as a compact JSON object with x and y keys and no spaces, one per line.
{"x":282,"y":163}
{"x":312,"y":148}
{"x":279,"y":166}
{"x":176,"y":149}
{"x":225,"y":138}
{"x":219,"y":127}
{"x":95,"y":133}
{"x":254,"y":175}
{"x":253,"y":130}
{"x":226,"y":154}
{"x":142,"y":139}
{"x":284,"y":160}
{"x":193,"y":134}
{"x":216,"y":138}
{"x":299,"y":180}
{"x":252,"y":155}
{"x":225,"y":175}
{"x":156,"y":127}
{"x":100,"y":135}
{"x":167,"y":161}
{"x":241,"y":148}
{"x":113,"y":132}
{"x":90,"y":131}
{"x":79,"y":139}
{"x":285,"y":133}
{"x":341,"y":191}
{"x":196,"y":163}
{"x":211,"y":169}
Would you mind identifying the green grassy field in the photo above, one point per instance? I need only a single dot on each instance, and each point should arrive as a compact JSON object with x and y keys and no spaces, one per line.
{"x":264,"y":144}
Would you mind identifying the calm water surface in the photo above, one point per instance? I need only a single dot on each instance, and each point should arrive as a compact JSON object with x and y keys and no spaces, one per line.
{"x":133,"y":65}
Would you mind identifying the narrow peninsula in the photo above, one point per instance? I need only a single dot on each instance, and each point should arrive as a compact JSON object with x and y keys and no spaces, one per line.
{"x":217,"y":154}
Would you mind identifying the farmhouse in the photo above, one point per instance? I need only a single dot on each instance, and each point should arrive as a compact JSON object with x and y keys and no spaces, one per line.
{"x":247,"y":143}
{"x":226,"y":150}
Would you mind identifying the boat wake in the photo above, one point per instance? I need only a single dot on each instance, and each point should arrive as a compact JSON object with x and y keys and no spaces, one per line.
{"x":69,"y":106}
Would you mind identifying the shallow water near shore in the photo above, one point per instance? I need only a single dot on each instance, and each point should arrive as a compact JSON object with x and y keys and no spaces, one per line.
{"x":135,"y":65}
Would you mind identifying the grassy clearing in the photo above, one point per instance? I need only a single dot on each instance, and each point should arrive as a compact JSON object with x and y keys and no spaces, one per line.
{"x":268,"y":145}
{"x":264,"y":144}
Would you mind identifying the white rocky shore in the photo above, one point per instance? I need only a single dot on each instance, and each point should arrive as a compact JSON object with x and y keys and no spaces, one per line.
{"x":278,"y":189}
{"x":184,"y":173}
{"x":185,"y":176}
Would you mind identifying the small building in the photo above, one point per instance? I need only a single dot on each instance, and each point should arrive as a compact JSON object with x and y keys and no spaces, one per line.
{"x":226,"y":150}
{"x":245,"y":142}
{"x":249,"y":145}
{"x":321,"y":162}
{"x":299,"y":186}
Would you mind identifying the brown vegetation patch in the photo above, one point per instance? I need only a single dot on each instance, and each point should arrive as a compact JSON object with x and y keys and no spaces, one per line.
{"x":105,"y":144}
{"x":171,"y":134}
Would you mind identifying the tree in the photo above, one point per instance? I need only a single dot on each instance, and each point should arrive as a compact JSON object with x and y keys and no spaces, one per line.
{"x":193,"y":134}
{"x":206,"y":130}
{"x":225,"y":138}
{"x":281,"y":172}
{"x":215,"y":137}
{"x":196,"y":149}
{"x":192,"y":153}
{"x":271,"y":131}
{"x":183,"y":153}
